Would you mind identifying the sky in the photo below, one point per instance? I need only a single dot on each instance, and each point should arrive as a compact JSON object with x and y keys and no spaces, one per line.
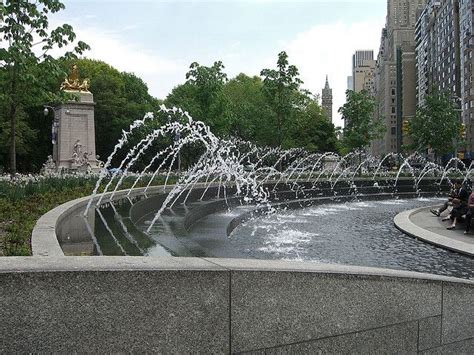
{"x":157,"y":40}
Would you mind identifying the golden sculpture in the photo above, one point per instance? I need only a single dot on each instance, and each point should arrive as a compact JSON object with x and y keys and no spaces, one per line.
{"x":73,"y":83}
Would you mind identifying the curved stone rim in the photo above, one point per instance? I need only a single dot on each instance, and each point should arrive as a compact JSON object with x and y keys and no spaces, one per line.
{"x":41,"y":242}
{"x":144,"y":263}
{"x":403,"y":222}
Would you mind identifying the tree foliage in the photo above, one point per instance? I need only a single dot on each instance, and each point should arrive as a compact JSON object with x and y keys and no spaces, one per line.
{"x":360,"y":126}
{"x":242,"y":107}
{"x":120,"y":99}
{"x":282,"y":89}
{"x":436,"y":125}
{"x":25,"y":61}
{"x":274,"y":111}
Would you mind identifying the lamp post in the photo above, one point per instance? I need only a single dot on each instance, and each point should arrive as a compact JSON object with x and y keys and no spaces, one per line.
{"x":54,"y":128}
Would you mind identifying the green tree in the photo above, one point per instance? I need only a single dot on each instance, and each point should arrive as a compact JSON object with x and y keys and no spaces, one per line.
{"x":209,"y":82}
{"x":201,"y":95}
{"x":120,"y":99}
{"x":360,"y":127}
{"x":282,"y":89}
{"x":436,"y":125}
{"x":248,"y":111}
{"x":313,"y":131}
{"x":185,"y":96}
{"x":23,"y":26}
{"x":272,"y":112}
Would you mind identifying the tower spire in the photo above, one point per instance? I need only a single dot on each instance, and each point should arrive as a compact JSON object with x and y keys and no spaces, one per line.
{"x":327,"y":100}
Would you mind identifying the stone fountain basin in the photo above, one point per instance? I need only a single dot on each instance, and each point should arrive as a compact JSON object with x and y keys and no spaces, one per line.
{"x":67,"y":221}
{"x":183,"y":305}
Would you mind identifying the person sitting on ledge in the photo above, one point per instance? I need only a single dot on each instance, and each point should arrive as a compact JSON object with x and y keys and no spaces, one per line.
{"x":459,"y":205}
{"x":470,"y":212}
{"x":452,"y":195}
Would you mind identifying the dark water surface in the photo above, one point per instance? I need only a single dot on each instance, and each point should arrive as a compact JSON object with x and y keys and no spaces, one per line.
{"x":353,"y":233}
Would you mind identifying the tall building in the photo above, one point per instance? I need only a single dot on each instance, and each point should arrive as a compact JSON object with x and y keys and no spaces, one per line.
{"x":350,"y":83}
{"x":326,"y":100}
{"x":466,"y":41}
{"x":362,"y":67}
{"x":394,"y":81}
{"x":363,"y":78}
{"x":360,"y":56}
{"x":444,"y":45}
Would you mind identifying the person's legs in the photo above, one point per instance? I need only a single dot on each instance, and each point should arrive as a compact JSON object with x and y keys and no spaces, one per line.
{"x":444,"y":207}
{"x":468,"y":221}
{"x":441,"y":209}
{"x":453,"y":225}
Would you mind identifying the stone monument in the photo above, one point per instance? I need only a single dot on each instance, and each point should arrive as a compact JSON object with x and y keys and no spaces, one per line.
{"x":73,"y":131}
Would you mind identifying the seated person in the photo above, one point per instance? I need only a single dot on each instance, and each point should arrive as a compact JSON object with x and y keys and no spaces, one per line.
{"x":452,"y":195}
{"x":459,"y":206}
{"x":470,"y":212}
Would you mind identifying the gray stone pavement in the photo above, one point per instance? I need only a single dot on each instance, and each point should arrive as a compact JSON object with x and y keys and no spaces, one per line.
{"x":422,"y":224}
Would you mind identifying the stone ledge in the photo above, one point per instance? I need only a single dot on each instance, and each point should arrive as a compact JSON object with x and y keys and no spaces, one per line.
{"x":404,"y":221}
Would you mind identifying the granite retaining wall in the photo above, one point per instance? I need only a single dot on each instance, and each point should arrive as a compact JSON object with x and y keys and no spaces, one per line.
{"x":192,"y":305}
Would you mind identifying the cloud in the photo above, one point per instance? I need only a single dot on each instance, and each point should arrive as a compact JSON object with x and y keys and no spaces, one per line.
{"x":160,"y":73}
{"x":327,"y":50}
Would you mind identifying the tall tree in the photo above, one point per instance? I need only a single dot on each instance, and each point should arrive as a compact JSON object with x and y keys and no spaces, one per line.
{"x":313,"y":131}
{"x":282,"y":89}
{"x":26,"y":61}
{"x":436,"y":125}
{"x":360,"y":127}
{"x":202,"y":96}
{"x":248,"y":110}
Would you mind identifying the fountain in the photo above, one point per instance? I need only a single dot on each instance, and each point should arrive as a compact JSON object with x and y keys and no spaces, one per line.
{"x":331,"y":215}
{"x":226,"y":202}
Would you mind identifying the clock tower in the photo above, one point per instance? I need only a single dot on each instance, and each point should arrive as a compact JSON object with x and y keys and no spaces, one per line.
{"x":327,"y":100}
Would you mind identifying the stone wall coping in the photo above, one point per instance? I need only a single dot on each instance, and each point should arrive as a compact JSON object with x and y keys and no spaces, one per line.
{"x":23,"y":264}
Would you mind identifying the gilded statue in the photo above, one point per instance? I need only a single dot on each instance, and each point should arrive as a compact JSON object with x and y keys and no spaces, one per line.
{"x":73,"y":83}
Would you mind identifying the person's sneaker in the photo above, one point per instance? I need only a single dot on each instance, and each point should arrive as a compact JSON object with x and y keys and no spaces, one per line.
{"x":451,"y":227}
{"x":435,"y":212}
{"x":465,"y":232}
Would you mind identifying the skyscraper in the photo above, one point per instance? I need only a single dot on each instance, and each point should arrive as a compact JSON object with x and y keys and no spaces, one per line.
{"x":363,"y":65}
{"x":363,"y":76}
{"x":359,"y":56}
{"x":395,"y":83}
{"x":444,"y":34}
{"x":326,"y":100}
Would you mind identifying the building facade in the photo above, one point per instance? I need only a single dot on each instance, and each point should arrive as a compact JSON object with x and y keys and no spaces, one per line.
{"x":360,"y":56}
{"x":363,"y":65}
{"x":326,"y":100}
{"x":444,"y":61}
{"x":394,"y":81}
{"x":466,"y":41}
{"x":364,"y":76}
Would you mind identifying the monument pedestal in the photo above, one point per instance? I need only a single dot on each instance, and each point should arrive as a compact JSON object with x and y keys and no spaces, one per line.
{"x":74,"y":135}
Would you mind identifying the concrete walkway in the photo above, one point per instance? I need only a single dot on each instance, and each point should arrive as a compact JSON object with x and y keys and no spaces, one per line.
{"x":422,"y":224}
